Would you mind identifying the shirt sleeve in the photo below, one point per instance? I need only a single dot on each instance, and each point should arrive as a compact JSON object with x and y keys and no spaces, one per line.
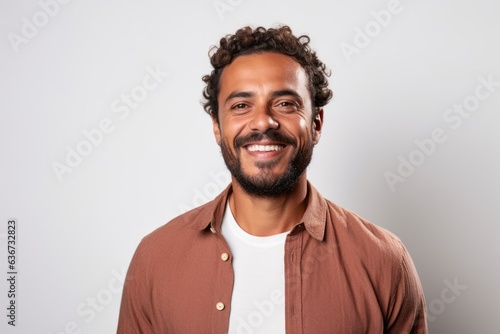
{"x":408,"y":311}
{"x":135,"y":310}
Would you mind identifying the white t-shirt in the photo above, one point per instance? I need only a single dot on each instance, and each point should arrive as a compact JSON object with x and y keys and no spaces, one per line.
{"x":258,"y":301}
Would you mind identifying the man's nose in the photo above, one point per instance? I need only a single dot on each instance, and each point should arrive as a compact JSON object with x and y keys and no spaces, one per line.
{"x":263,"y":119}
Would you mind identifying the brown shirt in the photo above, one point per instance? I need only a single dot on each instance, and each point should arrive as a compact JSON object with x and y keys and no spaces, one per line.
{"x":342,"y":275}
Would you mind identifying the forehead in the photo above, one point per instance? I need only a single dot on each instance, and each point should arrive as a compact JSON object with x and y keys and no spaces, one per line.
{"x":267,"y":70}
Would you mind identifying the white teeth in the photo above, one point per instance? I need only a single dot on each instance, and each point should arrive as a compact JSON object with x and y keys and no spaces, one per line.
{"x":264,"y":148}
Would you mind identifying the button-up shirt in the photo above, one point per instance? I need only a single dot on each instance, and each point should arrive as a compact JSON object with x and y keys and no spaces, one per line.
{"x":343,"y":275}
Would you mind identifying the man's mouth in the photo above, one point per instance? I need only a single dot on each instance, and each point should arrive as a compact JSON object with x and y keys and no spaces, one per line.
{"x":264,"y":148}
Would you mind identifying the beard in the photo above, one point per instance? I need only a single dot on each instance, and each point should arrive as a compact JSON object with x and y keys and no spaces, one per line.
{"x":267,"y":183}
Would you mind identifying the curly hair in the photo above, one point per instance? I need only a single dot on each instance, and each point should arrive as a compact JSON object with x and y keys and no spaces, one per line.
{"x":281,"y":40}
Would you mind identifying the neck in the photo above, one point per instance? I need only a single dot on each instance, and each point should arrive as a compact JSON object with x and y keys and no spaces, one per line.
{"x":265,"y":216}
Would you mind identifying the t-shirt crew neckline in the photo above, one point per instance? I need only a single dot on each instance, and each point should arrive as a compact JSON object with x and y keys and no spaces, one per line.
{"x":255,"y":241}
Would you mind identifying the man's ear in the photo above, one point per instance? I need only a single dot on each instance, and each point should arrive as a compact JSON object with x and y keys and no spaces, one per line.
{"x":317,"y":125}
{"x":216,"y":129}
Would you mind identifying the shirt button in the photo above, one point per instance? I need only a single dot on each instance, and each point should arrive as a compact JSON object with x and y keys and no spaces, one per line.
{"x":224,"y":256}
{"x":220,"y":306}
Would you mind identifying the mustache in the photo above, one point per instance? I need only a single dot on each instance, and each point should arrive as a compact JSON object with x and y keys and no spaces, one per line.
{"x":271,"y":135}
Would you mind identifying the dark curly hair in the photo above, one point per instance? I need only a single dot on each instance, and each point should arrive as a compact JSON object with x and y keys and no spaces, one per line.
{"x":281,"y":40}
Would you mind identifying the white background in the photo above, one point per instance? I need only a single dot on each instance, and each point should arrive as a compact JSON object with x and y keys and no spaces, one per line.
{"x":77,"y":233}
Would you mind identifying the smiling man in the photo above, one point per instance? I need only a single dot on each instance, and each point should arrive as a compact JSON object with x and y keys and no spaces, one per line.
{"x":270,"y":254}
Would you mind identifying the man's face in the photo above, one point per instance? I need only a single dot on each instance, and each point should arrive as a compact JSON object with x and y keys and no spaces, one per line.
{"x":267,"y":128}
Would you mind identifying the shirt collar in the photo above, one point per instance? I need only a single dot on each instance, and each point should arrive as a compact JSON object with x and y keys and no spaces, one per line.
{"x":209,"y":215}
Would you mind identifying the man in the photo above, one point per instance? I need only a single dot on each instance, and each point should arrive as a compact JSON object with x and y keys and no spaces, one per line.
{"x":270,"y":254}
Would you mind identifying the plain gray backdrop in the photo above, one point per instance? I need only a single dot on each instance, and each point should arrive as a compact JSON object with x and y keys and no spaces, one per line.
{"x":103,"y":139}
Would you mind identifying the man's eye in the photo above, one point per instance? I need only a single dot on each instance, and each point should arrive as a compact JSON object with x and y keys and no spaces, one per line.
{"x":239,"y":106}
{"x":286,"y":106}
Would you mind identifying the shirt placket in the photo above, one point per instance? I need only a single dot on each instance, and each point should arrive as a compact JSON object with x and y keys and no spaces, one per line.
{"x":223,"y":286}
{"x":293,"y":281}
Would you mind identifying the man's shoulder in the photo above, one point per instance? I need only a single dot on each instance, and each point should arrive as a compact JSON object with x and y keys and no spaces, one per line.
{"x":191,"y":220}
{"x":173,"y":237}
{"x":350,"y":219}
{"x":352,"y":229}
{"x":188,"y":223}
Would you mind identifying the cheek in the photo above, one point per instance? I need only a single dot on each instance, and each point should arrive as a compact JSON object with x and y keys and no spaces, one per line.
{"x":228,"y":133}
{"x":303,"y":124}
{"x":304,"y":128}
{"x":232,"y":129}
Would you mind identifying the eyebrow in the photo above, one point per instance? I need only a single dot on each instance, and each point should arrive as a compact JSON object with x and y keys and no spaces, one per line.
{"x":278,"y":93}
{"x":286,"y":92}
{"x":234,"y":95}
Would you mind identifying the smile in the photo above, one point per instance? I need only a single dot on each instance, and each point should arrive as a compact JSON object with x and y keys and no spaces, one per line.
{"x":264,"y":148}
